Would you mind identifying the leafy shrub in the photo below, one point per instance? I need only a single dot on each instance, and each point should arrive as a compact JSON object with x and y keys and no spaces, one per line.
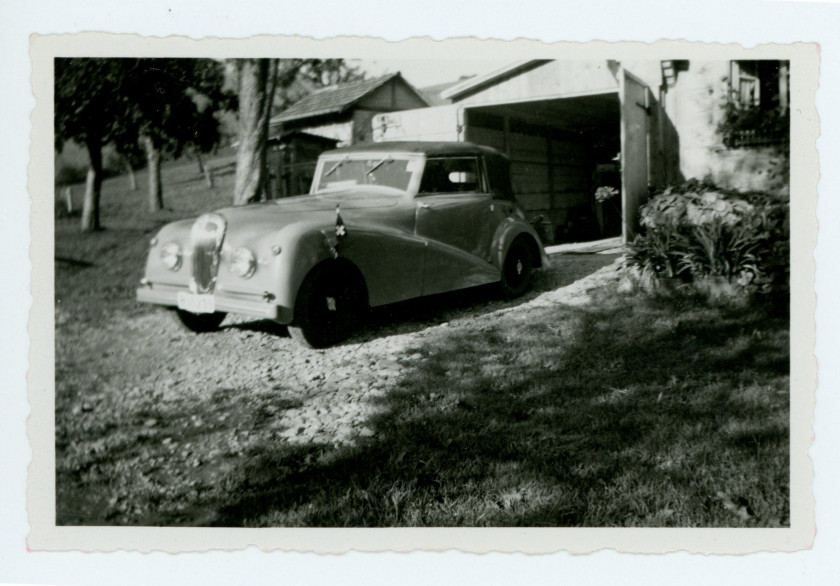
{"x":751,"y":125}
{"x":696,"y":232}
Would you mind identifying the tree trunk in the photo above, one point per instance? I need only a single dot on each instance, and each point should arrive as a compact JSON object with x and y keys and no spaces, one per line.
{"x":257,"y":78}
{"x":205,"y":169}
{"x":155,"y":186}
{"x":783,"y":86}
{"x":200,"y":162}
{"x":93,"y":187}
{"x":132,"y":178}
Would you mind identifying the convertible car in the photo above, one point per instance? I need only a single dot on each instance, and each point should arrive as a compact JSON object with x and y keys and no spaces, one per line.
{"x":382,"y":223}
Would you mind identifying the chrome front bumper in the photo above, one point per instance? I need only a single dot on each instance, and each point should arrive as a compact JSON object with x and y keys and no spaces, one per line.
{"x":225,"y":302}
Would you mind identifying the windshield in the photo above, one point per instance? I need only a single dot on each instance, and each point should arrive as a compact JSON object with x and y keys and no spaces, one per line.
{"x":383,"y":170}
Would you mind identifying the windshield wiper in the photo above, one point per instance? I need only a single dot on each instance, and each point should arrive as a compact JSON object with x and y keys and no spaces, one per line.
{"x":336,"y":166}
{"x":379,"y":164}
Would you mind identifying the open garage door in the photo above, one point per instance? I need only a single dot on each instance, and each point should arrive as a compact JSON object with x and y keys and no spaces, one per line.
{"x":556,"y":147}
{"x":635,"y":149}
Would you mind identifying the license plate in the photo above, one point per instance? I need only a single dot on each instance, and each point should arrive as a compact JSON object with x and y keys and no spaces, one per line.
{"x":196,"y":303}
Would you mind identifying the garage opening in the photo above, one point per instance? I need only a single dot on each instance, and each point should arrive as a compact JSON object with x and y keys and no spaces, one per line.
{"x":565,"y":161}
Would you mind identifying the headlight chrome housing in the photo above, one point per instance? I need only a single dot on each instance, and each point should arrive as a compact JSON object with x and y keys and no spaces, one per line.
{"x":170,"y":256}
{"x":243,"y":263}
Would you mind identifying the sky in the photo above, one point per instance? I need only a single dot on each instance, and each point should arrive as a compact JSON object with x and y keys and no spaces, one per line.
{"x":425,"y":72}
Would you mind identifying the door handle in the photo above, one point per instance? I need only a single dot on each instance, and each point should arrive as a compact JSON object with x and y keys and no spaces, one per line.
{"x":425,"y":206}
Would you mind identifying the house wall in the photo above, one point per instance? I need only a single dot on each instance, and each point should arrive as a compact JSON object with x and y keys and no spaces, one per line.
{"x":695,"y":108}
{"x":429,"y":124}
{"x":341,"y":131}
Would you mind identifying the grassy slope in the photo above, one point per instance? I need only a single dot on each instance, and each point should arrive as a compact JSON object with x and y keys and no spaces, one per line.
{"x":622,"y":412}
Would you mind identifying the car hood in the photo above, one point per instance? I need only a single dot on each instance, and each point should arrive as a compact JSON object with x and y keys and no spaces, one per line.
{"x":275,"y":214}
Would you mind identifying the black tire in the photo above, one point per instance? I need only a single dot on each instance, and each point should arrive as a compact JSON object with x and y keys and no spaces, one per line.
{"x":200,"y":322}
{"x":517,"y":270}
{"x":329,"y":307}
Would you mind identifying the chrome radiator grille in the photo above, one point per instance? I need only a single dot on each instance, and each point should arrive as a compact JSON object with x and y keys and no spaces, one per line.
{"x":207,"y":233}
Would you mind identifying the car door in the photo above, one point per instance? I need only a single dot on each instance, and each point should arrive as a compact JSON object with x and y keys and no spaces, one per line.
{"x":452,"y":203}
{"x":453,"y":207}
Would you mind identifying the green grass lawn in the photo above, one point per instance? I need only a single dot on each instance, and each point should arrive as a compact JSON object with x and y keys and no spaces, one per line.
{"x":627,"y":411}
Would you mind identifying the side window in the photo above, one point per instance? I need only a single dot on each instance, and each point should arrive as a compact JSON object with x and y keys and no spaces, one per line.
{"x":451,"y":175}
{"x":498,"y":172}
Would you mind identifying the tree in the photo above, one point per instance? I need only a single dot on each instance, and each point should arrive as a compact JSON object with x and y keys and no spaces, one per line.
{"x":88,"y":108}
{"x":173,"y":107}
{"x":124,"y":139}
{"x":256,"y":80}
{"x":265,"y":86}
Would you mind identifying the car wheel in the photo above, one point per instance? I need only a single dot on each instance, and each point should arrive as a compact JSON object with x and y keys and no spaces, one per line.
{"x":517,"y":270}
{"x":329,"y":307}
{"x":200,"y":322}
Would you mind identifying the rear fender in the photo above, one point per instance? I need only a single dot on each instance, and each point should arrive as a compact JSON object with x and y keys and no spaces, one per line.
{"x":508,"y":231}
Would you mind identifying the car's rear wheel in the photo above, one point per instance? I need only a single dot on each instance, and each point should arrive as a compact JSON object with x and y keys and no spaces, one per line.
{"x":200,"y":322}
{"x":329,"y":307}
{"x":517,"y":269}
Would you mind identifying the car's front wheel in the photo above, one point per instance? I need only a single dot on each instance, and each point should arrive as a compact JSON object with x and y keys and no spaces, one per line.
{"x":329,"y":307}
{"x":517,"y":269}
{"x":200,"y":322}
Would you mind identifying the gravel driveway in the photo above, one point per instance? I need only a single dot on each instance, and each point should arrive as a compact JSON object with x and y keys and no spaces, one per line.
{"x":145,"y":387}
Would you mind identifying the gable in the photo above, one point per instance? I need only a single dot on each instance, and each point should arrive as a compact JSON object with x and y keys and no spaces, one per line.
{"x":394,"y":95}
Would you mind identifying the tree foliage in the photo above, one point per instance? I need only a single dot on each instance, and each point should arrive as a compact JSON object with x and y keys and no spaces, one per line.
{"x":171,"y":104}
{"x":89,"y":108}
{"x":174,"y":106}
{"x":298,"y":78}
{"x":174,"y":101}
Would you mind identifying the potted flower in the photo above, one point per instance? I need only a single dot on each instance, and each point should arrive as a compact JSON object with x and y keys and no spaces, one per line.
{"x":603,"y":195}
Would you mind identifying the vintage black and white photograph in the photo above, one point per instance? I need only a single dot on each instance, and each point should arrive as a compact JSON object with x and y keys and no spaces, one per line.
{"x":382,"y":292}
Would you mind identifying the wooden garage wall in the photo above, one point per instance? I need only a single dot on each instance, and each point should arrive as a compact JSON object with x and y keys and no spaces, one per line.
{"x":549,"y":174}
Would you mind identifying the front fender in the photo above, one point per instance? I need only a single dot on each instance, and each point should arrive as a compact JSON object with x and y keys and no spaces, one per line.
{"x":510,"y":229}
{"x":155,"y":272}
{"x":390,"y":260}
{"x":303,"y":248}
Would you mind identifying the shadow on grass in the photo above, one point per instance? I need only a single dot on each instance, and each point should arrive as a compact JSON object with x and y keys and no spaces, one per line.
{"x":619,"y":414}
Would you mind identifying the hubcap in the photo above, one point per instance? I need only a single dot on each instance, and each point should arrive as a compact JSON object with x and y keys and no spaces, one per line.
{"x":519,"y":266}
{"x":331,"y":304}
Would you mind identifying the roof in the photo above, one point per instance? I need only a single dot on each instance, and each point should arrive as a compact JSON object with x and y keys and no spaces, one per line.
{"x":337,"y":98}
{"x":432,"y":92}
{"x":420,"y":147}
{"x":474,"y":83}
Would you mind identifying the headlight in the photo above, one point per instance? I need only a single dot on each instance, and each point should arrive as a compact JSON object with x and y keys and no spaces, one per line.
{"x":170,"y":256}
{"x":243,"y":263}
